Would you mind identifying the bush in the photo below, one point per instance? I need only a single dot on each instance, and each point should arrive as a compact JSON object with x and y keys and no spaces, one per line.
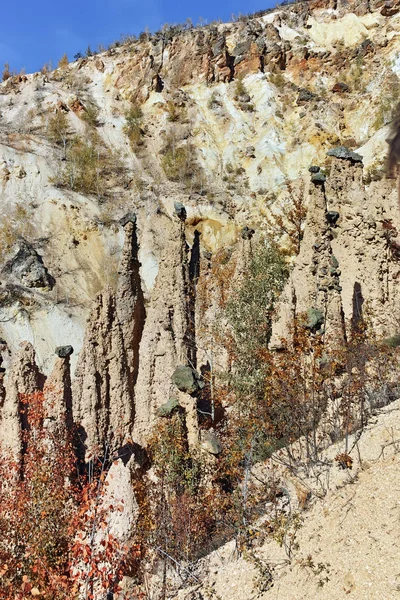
{"x":91,"y":114}
{"x":133,"y":122}
{"x":6,"y":72}
{"x":17,"y":226}
{"x":180,"y":164}
{"x":89,"y":167}
{"x":63,"y":62}
{"x":58,"y":129}
{"x":175,"y":113}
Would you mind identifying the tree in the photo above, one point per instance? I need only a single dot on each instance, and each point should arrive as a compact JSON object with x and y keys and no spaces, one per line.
{"x":37,"y":501}
{"x":55,"y":539}
{"x":249,"y":314}
{"x":58,"y":130}
{"x":133,"y":122}
{"x":6,"y":72}
{"x":63,"y":62}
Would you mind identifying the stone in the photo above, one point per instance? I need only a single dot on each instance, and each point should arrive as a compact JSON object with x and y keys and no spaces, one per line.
{"x":315,"y":319}
{"x":250,"y":152}
{"x":64,"y":351}
{"x":187,"y":379}
{"x":219,"y":47}
{"x":99,"y":64}
{"x":340,"y":88}
{"x":247,"y":233}
{"x":305,"y":96}
{"x":334,"y":261}
{"x":210,"y":443}
{"x":314,"y":169}
{"x":130,"y":217}
{"x":167,"y":409}
{"x":180,"y":211}
{"x":345,"y":154}
{"x":332,"y":217}
{"x":244,"y":98}
{"x":390,"y":8}
{"x":28,"y":268}
{"x":318,"y":178}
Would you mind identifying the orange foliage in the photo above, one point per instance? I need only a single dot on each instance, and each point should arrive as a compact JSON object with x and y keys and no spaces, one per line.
{"x":50,"y":517}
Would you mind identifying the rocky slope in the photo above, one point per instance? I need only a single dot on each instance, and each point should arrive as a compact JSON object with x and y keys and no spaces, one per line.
{"x":346,"y":545}
{"x":135,"y":186}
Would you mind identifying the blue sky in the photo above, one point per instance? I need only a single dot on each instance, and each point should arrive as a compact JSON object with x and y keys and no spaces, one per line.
{"x":34,"y":32}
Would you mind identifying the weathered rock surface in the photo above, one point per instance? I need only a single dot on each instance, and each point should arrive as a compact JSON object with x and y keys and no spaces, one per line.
{"x":346,"y":270}
{"x":102,"y":396}
{"x":23,"y":378}
{"x":27,"y":268}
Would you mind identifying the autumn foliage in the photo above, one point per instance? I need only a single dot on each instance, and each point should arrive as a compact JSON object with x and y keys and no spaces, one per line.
{"x":55,"y":541}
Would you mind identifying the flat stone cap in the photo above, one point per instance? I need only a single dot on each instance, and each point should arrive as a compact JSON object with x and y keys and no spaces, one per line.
{"x":318,"y":178}
{"x":345,"y":154}
{"x":180,"y":211}
{"x":64,"y":351}
{"x":130,"y":217}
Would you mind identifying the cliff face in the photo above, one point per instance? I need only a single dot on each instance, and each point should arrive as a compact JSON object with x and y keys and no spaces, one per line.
{"x":199,"y":133}
{"x":347,"y":268}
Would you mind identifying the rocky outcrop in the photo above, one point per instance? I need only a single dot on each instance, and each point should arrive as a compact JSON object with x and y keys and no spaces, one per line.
{"x":167,"y":339}
{"x":129,"y":299}
{"x":27,"y":268}
{"x":102,"y":397}
{"x":58,"y":393}
{"x":347,"y":268}
{"x":23,"y":378}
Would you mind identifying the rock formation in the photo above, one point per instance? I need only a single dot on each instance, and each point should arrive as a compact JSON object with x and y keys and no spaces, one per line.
{"x":167,"y":339}
{"x":227,"y":115}
{"x":23,"y":378}
{"x":58,"y":393}
{"x":102,"y":398}
{"x":347,"y":268}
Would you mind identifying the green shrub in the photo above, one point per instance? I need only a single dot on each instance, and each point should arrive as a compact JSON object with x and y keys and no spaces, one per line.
{"x":91,"y":114}
{"x":90,"y":167}
{"x":249,"y":314}
{"x":175,"y":113}
{"x":393,"y":341}
{"x":214,"y":102}
{"x":277,"y":79}
{"x":240,"y":89}
{"x":57,"y":129}
{"x":133,"y":122}
{"x":180,"y":164}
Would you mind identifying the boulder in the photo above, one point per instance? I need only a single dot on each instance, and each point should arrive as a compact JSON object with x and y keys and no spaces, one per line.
{"x":318,"y":178}
{"x":210,"y":443}
{"x":130,"y":217}
{"x":64,"y":351}
{"x":180,"y":211}
{"x":247,"y":233}
{"x":28,"y":268}
{"x":168,"y":408}
{"x":315,"y":319}
{"x":305,"y":96}
{"x":187,"y":379}
{"x":332,"y":216}
{"x":340,"y":88}
{"x":345,"y":154}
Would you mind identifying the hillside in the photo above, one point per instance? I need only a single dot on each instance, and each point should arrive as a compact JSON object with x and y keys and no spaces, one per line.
{"x":199,"y":240}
